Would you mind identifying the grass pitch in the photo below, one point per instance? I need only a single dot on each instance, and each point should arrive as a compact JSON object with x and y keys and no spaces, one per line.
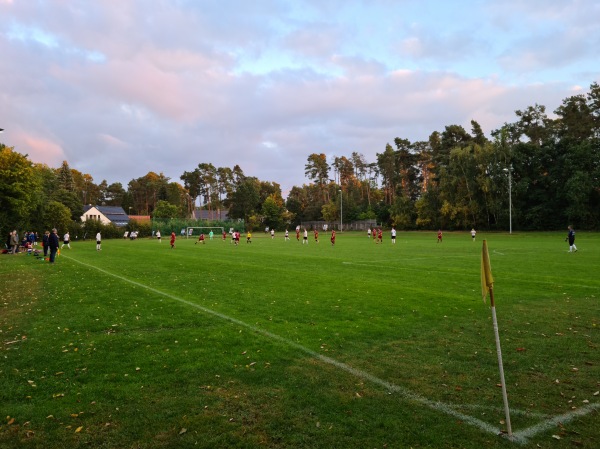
{"x":283,"y":345}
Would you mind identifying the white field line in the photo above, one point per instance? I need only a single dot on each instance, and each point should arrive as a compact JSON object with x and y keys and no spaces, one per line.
{"x":518,"y":437}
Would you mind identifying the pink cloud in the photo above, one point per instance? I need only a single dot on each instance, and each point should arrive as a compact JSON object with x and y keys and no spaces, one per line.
{"x":40,"y":150}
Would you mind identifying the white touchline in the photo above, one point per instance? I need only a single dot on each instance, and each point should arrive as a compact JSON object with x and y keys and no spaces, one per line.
{"x":518,"y":437}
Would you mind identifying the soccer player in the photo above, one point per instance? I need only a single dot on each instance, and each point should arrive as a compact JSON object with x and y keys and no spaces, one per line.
{"x":272,"y":234}
{"x":210,"y":235}
{"x":297,"y":233}
{"x":316,"y":236}
{"x":200,"y":239}
{"x":66,"y":241}
{"x":287,"y":236}
{"x":224,"y":235}
{"x":369,"y":233}
{"x":332,"y":237}
{"x":571,"y":239}
{"x":158,"y":236}
{"x":394,"y":235}
{"x":439,"y":240}
{"x":172,"y":242}
{"x":98,"y":242}
{"x":473,"y":232}
{"x":248,"y":237}
{"x":305,"y":240}
{"x":380,"y":236}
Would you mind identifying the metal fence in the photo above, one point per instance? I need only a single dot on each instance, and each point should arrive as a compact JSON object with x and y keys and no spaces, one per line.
{"x":360,"y":225}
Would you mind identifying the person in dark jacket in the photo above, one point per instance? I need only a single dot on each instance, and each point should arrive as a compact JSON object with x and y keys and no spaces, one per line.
{"x":45,"y":242}
{"x":53,"y":244}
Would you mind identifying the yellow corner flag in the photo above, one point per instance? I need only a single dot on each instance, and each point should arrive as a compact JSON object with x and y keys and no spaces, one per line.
{"x":487,"y":281}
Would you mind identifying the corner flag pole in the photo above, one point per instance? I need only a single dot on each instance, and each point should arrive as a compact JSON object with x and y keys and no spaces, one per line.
{"x":487,"y":285}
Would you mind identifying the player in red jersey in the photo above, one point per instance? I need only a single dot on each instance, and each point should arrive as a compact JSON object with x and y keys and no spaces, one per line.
{"x":332,"y":238}
{"x":439,"y":240}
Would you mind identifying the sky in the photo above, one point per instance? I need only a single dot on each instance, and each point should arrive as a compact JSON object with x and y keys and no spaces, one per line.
{"x":120,"y":88}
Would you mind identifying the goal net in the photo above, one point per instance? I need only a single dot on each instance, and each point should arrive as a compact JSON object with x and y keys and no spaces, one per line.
{"x":195,"y":231}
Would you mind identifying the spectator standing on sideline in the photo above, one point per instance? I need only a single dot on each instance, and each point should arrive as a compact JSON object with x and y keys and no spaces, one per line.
{"x":31,"y":239}
{"x":98,"y":241}
{"x":46,"y":242}
{"x":571,"y":239}
{"x":53,"y":244}
{"x":14,"y":242}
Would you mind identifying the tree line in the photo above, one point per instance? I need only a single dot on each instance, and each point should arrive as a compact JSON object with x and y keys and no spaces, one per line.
{"x":547,"y":169}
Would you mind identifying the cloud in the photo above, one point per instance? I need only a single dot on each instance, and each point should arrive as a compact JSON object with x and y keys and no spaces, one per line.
{"x":129,"y":89}
{"x":42,"y":150}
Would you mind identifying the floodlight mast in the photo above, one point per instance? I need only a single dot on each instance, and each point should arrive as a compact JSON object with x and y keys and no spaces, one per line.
{"x":509,"y":171}
{"x":341,"y":211}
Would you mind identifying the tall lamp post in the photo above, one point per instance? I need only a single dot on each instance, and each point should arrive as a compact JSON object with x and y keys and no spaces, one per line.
{"x":509,"y":171}
{"x":341,"y":211}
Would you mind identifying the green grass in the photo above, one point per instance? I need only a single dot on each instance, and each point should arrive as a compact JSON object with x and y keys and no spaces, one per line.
{"x":282,"y":345}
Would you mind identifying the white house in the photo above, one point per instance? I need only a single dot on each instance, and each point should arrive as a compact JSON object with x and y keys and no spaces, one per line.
{"x":105,"y":215}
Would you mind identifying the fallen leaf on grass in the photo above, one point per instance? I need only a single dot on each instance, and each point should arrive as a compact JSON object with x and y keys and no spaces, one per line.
{"x":521,"y":349}
{"x":12,"y":420}
{"x":78,"y":429}
{"x":556,"y":437}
